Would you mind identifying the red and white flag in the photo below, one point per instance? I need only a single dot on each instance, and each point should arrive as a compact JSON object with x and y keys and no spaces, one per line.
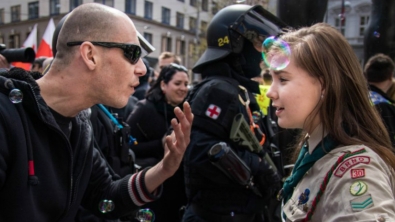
{"x":45,"y":48}
{"x":31,"y":41}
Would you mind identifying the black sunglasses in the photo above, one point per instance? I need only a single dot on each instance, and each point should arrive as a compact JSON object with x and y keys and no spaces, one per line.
{"x":130,"y":51}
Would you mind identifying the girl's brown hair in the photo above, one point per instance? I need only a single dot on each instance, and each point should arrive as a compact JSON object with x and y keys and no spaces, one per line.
{"x":345,"y":110}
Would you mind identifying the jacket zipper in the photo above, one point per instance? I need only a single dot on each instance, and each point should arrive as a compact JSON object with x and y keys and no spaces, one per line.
{"x":72,"y":191}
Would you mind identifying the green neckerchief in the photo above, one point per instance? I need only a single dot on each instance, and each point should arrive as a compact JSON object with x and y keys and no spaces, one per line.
{"x":304,"y":162}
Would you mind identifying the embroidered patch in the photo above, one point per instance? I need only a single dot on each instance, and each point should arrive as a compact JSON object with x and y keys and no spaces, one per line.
{"x":357,"y":173}
{"x":358,"y":188}
{"x":361,"y":203}
{"x":350,"y":162}
{"x":305,"y":208}
{"x":213,"y":111}
{"x":304,"y":197}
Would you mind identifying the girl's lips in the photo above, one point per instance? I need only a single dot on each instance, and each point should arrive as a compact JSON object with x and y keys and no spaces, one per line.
{"x":279,"y":111}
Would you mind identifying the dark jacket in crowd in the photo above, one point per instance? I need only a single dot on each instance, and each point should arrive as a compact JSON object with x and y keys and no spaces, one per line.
{"x":386,"y":107}
{"x":149,"y":122}
{"x":107,"y":136}
{"x":46,"y":175}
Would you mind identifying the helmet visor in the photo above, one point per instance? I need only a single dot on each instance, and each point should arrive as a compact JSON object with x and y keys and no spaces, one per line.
{"x":256,"y":25}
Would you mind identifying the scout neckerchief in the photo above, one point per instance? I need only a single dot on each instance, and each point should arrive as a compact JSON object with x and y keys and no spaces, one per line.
{"x":304,"y":162}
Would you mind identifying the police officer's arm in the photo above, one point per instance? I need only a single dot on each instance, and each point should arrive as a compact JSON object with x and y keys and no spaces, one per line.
{"x":176,"y":144}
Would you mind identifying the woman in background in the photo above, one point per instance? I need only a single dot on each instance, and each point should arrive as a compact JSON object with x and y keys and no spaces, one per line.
{"x":149,"y":123}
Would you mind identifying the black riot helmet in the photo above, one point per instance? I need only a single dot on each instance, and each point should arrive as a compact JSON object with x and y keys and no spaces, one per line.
{"x":231,"y":26}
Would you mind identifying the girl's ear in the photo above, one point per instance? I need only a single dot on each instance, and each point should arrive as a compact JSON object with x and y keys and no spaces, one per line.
{"x":322,"y":88}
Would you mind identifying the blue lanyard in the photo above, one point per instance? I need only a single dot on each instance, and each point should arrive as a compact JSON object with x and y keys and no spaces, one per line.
{"x":115,"y":121}
{"x":132,"y":140}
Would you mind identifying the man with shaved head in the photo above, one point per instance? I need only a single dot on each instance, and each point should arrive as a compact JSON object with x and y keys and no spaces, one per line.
{"x":49,"y":165}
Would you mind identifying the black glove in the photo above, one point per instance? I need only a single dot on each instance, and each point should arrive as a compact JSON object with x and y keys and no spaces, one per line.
{"x":267,"y":180}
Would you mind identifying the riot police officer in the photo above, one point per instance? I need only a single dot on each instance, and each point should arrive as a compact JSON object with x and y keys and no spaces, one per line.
{"x":227,"y":173}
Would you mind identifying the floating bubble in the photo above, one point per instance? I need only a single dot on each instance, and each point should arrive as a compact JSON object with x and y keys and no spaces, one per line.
{"x":376,"y":34}
{"x":276,"y":53}
{"x":106,"y":206}
{"x":145,"y":215}
{"x":15,"y":96}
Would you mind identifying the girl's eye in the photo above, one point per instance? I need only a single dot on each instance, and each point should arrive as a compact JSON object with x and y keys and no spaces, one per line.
{"x":282,"y":79}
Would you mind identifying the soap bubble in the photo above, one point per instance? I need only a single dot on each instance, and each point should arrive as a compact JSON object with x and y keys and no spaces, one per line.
{"x":15,"y":96}
{"x":145,"y":215}
{"x":276,"y":53}
{"x":106,"y":206}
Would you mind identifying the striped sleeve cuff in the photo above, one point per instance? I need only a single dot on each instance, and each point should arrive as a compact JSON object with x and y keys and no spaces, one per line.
{"x":138,"y":191}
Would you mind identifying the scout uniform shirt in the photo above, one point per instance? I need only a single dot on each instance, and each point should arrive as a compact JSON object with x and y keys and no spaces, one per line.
{"x":360,"y":187}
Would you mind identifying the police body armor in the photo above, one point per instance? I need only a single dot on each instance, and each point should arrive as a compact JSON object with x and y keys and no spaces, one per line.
{"x":227,"y":93}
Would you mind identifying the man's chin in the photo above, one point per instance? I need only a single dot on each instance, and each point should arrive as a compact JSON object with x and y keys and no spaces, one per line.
{"x":120,"y":104}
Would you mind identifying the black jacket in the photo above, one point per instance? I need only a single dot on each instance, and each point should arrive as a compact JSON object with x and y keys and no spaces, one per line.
{"x":387,"y":112}
{"x":66,"y":173}
{"x":149,"y":122}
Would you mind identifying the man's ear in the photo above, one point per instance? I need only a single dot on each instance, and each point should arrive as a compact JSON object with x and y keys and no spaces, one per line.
{"x":88,"y":53}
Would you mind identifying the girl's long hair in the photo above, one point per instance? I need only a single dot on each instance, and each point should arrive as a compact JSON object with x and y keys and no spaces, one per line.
{"x":345,"y":109}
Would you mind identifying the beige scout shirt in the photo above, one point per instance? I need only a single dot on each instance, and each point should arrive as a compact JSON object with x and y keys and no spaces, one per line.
{"x":361,"y":188}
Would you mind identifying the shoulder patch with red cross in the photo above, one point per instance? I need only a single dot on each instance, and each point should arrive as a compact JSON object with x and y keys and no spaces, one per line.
{"x":213,"y":111}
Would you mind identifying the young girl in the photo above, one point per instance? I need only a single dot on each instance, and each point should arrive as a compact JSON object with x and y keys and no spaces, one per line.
{"x":344,"y":169}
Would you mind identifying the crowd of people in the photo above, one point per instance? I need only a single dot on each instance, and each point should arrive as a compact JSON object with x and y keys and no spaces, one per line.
{"x":98,"y":134}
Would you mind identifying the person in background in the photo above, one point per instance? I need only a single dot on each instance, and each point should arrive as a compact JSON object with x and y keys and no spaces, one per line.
{"x":267,"y":78}
{"x":378,"y":71}
{"x":344,"y":168}
{"x":149,"y":122}
{"x":165,"y":58}
{"x":391,"y":90}
{"x":37,"y":65}
{"x":49,"y":165}
{"x":47,"y":62}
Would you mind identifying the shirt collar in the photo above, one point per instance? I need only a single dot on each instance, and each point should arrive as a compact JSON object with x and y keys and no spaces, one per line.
{"x":316,"y":137}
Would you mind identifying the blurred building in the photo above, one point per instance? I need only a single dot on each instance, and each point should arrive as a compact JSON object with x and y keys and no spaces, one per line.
{"x":353,"y":23}
{"x":172,"y":25}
